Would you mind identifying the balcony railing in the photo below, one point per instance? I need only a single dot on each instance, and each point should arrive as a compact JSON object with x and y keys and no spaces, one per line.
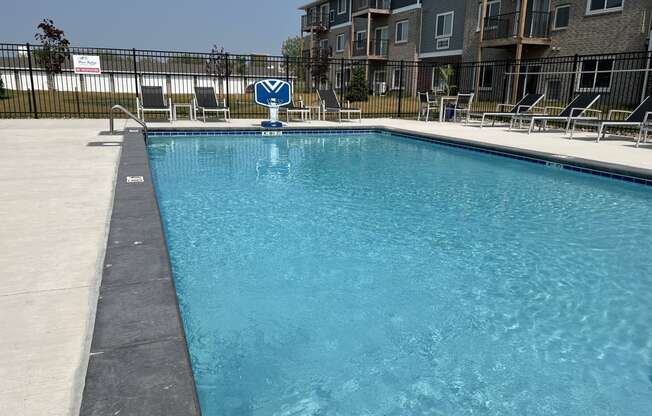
{"x":363,"y":5}
{"x":318,"y":21}
{"x":505,"y":26}
{"x":378,"y":48}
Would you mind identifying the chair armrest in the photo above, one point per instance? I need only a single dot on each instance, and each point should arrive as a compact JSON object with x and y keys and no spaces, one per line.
{"x":647,"y":116}
{"x":546,"y":109}
{"x":500,"y":106}
{"x":612,"y":112}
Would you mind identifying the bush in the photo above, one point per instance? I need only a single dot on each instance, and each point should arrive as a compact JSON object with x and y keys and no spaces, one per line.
{"x":358,"y":88}
{"x":2,"y":88}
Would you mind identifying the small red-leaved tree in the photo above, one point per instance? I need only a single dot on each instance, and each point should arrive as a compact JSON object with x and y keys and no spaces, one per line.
{"x":54,"y":49}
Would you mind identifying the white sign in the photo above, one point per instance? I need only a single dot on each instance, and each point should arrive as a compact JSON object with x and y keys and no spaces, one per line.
{"x":86,"y":64}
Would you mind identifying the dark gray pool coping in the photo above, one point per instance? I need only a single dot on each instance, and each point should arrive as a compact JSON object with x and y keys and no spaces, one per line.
{"x":139,"y":362}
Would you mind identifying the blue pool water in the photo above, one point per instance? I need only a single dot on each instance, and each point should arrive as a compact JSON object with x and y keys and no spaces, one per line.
{"x":376,"y":275}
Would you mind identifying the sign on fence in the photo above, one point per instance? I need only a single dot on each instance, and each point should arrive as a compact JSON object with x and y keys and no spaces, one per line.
{"x":86,"y":64}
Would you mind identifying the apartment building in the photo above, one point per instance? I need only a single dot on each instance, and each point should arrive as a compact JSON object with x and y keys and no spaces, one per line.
{"x":442,"y":32}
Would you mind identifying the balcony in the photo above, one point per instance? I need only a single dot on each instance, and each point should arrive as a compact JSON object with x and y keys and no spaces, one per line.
{"x":360,"y":7}
{"x":315,"y":22}
{"x":502,"y":30}
{"x":378,"y":49}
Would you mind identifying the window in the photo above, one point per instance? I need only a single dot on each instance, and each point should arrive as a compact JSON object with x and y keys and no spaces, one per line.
{"x":402,"y":31}
{"x":595,"y":75}
{"x":562,"y":17}
{"x":493,"y":10}
{"x":444,"y":25}
{"x":341,"y":6}
{"x":603,"y":6}
{"x":361,"y":39}
{"x":486,"y":77}
{"x":338,"y":80}
{"x":397,"y":82}
{"x":339,"y":43}
{"x":323,"y":44}
{"x":553,"y":89}
{"x":438,"y":83}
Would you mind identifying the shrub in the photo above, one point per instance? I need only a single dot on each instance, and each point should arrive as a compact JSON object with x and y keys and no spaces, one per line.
{"x":358,"y":87}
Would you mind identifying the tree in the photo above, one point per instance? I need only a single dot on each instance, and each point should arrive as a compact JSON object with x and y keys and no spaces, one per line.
{"x":2,"y":88}
{"x":358,"y":87}
{"x":446,"y":75}
{"x":217,"y":64}
{"x":54,"y":49}
{"x":292,"y":47}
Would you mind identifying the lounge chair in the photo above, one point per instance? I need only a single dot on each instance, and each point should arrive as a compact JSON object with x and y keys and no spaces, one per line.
{"x":292,"y":108}
{"x":205,"y":101}
{"x":527,"y":103}
{"x":573,"y":111}
{"x":331,"y":104}
{"x":640,"y":119}
{"x":427,"y":102}
{"x":463,"y":106}
{"x":151,"y":100}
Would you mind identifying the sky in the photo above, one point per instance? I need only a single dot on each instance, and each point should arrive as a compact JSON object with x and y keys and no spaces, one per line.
{"x":240,"y":26}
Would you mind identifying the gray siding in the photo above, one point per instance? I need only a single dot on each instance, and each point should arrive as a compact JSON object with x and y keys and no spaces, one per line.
{"x":430,"y":10}
{"x":340,"y":18}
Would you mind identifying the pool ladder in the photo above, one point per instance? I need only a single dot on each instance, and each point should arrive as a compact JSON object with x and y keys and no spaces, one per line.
{"x":129,"y":114}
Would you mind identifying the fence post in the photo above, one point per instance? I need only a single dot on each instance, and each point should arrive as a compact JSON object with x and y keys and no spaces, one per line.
{"x":31,"y":82}
{"x":400,"y":89}
{"x":341,"y":79}
{"x":571,"y":87}
{"x":133,"y":55}
{"x":287,"y":69}
{"x":227,"y":76}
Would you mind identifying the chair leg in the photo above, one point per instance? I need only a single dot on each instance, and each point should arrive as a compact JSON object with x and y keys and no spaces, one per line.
{"x":531,"y":126}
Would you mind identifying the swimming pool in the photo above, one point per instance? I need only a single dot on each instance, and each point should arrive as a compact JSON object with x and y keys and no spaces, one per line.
{"x":368,"y":274}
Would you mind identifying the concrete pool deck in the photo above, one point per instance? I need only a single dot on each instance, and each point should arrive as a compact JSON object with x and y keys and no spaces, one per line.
{"x":57,"y":181}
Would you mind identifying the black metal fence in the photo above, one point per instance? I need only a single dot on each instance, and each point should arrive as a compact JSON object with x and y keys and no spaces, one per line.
{"x":32,"y":91}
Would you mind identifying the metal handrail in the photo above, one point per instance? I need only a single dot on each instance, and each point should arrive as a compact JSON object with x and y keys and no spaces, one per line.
{"x":129,"y":114}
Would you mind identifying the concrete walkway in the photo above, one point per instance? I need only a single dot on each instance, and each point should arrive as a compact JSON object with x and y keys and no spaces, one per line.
{"x":56,"y":191}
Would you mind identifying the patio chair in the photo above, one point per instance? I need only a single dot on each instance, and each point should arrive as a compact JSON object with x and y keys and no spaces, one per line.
{"x":427,"y":102}
{"x":292,"y":108}
{"x":527,"y":103}
{"x":205,"y":100}
{"x":463,"y":106}
{"x":575,"y":110}
{"x":331,"y":104}
{"x":151,"y":100}
{"x":639,"y":119}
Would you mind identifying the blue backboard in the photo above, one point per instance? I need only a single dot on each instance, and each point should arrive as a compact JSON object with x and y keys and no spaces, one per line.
{"x":276,"y":89}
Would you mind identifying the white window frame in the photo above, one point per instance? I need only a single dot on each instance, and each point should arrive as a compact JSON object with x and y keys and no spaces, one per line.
{"x":435,"y":76}
{"x":396,"y":77}
{"x":442,"y":47}
{"x":604,"y":9}
{"x":554,"y":21}
{"x":355,"y":42}
{"x":547,"y":88}
{"x":578,"y":87}
{"x":405,"y":32}
{"x":341,"y":6}
{"x":489,"y":3}
{"x":337,"y":42}
{"x":482,"y":74}
{"x":452,"y":14}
